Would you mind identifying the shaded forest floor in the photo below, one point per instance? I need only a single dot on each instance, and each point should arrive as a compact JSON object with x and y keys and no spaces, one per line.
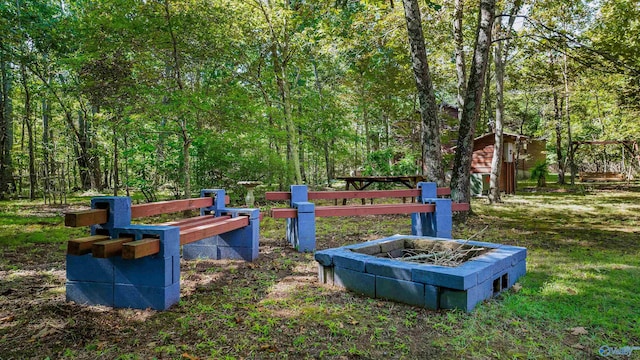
{"x":580,"y":292}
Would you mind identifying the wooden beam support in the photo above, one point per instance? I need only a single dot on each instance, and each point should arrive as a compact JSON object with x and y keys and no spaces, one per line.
{"x":83,"y":246}
{"x":109,"y":248}
{"x":86,"y":217}
{"x":460,"y":206}
{"x":140,"y":248}
{"x":204,"y":231}
{"x":357,"y":194}
{"x":284,"y":213}
{"x":383,"y":209}
{"x":206,"y":221}
{"x":171,"y":206}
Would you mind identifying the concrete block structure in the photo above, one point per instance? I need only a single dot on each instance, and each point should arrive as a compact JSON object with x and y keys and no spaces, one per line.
{"x":153,"y":281}
{"x":361,"y":269}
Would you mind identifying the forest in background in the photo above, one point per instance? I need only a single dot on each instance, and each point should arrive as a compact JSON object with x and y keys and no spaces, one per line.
{"x":180,"y":95}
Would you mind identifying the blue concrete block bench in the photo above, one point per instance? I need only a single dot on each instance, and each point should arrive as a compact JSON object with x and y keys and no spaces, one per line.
{"x":126,"y":265}
{"x":430,"y":214}
{"x":366,"y":269}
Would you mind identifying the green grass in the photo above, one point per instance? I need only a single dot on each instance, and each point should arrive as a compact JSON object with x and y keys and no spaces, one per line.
{"x":583,"y":271}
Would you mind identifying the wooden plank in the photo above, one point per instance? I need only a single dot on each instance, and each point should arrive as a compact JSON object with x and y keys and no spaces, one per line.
{"x":460,"y":207}
{"x":187,"y":221}
{"x":85,"y":217}
{"x":171,"y":206}
{"x":201,"y":232}
{"x":277,"y":195}
{"x":362,"y":194}
{"x":284,"y":213}
{"x":109,"y":248}
{"x":362,"y":210}
{"x":83,"y":246}
{"x":140,"y":248}
{"x":207,"y":221}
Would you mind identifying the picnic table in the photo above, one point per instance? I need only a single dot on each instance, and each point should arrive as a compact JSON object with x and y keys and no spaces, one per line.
{"x":363,"y":182}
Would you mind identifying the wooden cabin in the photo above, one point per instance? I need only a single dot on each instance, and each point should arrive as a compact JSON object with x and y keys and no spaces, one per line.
{"x":530,"y":152}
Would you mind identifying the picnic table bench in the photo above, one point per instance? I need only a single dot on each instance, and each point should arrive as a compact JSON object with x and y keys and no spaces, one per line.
{"x":138,"y":266}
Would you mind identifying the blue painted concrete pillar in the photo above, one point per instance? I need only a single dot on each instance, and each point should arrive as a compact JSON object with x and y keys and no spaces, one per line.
{"x":437,"y":224}
{"x":301,"y":230}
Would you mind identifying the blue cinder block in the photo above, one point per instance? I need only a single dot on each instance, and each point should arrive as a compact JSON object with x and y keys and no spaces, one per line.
{"x":146,"y":271}
{"x":299,"y":193}
{"x":464,"y":299}
{"x":304,"y":207}
{"x":237,"y":253}
{"x":461,"y":277}
{"x":90,"y":293}
{"x":218,"y":203}
{"x":119,"y":210}
{"x":169,"y":236}
{"x":87,"y":268}
{"x":444,"y":234}
{"x":500,"y":259}
{"x":517,"y":271}
{"x":306,"y":232}
{"x":422,"y":224}
{"x":350,"y":260}
{"x":518,"y":253}
{"x":407,"y":292}
{"x":431,"y":297}
{"x":389,"y":268}
{"x":176,"y":269}
{"x":196,"y":251}
{"x":143,"y":297}
{"x":325,"y":257}
{"x":355,"y":281}
{"x":429,"y":190}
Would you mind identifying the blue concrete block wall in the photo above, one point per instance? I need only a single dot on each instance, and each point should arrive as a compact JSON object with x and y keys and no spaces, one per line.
{"x":90,"y":293}
{"x":118,"y":209}
{"x":461,"y":287}
{"x":403,"y":291}
{"x":355,"y":281}
{"x":89,"y":269}
{"x":148,"y":271}
{"x":389,"y":268}
{"x":143,"y":297}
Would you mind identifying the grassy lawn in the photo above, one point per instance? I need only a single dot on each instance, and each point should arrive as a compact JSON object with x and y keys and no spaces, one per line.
{"x":580,"y":292}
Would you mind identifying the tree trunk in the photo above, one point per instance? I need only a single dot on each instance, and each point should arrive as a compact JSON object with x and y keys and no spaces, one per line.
{"x":460,"y":180}
{"x":497,"y":158}
{"x":27,"y":120}
{"x":115,"y":160}
{"x":461,"y":70}
{"x":500,"y":54}
{"x":565,"y":77}
{"x":431,"y":151}
{"x":557,"y":117}
{"x":6,"y":130}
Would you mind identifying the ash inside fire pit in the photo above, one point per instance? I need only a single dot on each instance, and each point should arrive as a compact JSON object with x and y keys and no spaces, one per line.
{"x":426,"y":251}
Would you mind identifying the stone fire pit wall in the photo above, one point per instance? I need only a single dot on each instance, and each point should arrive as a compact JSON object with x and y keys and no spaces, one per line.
{"x":355,"y":268}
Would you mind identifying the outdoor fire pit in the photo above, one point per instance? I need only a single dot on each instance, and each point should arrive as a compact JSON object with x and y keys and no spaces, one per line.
{"x":430,"y":272}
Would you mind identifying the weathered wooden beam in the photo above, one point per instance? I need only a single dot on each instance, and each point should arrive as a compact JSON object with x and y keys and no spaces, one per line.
{"x":284,"y":213}
{"x":171,"y":206}
{"x":140,"y":248}
{"x":460,"y":206}
{"x":382,"y":209}
{"x":86,"y":217}
{"x":354,"y":194}
{"x":109,"y":248}
{"x":204,"y":231}
{"x":205,"y":221}
{"x":83,"y":246}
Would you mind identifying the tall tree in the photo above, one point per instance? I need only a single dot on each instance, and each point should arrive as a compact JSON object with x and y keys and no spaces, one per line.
{"x":501,"y":49}
{"x":431,"y":151}
{"x":460,"y":180}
